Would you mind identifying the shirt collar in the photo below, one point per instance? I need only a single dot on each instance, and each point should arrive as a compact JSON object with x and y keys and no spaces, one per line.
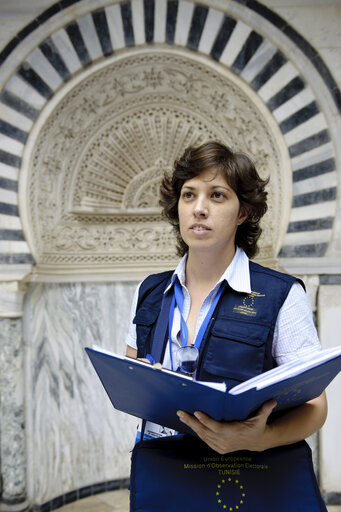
{"x":237,"y":273}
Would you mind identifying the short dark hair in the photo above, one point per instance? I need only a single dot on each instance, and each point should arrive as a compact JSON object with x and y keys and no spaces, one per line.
{"x":241,"y":176}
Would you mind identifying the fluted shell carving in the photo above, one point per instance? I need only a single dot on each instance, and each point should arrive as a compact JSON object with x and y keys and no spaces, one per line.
{"x":96,"y":165}
{"x":123,"y":166}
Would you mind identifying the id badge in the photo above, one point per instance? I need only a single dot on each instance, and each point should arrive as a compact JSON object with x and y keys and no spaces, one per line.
{"x":154,"y":431}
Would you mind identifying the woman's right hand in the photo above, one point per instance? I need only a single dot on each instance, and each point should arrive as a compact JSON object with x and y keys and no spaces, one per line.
{"x":157,"y":366}
{"x":132,"y":352}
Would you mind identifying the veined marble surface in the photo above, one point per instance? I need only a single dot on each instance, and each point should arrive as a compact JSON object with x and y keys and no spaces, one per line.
{"x":75,"y":437}
{"x":12,"y":421}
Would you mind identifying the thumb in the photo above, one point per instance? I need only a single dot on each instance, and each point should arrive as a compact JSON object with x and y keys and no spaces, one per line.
{"x":267,"y":408}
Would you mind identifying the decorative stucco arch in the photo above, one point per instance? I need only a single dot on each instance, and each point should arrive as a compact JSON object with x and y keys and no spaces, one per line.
{"x":288,"y":107}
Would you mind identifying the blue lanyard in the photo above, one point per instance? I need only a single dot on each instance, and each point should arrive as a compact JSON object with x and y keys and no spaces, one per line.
{"x":178,"y":299}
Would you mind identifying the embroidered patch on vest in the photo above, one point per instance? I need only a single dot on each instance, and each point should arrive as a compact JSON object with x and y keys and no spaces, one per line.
{"x":248,"y":305}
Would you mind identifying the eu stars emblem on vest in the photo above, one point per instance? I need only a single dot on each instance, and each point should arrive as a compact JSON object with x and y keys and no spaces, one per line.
{"x":248,"y":305}
{"x":238,"y":494}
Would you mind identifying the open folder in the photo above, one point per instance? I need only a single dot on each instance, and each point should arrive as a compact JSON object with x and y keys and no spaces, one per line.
{"x":136,"y":388}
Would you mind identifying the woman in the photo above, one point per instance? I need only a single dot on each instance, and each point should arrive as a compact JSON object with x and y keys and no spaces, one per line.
{"x":244,"y":319}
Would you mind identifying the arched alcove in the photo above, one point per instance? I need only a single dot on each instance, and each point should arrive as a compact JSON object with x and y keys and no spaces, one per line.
{"x":91,"y":172}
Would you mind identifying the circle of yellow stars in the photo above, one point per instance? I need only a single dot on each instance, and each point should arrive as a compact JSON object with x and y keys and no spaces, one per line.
{"x":230,"y":481}
{"x":249,"y":301}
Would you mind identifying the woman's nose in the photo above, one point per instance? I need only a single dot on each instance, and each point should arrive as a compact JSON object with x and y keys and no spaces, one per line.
{"x":201,"y":208}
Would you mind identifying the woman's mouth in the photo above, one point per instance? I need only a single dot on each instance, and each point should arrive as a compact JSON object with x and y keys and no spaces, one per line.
{"x":199,"y":228}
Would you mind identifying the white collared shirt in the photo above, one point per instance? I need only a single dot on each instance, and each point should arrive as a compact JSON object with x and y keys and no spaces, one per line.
{"x":294,"y":334}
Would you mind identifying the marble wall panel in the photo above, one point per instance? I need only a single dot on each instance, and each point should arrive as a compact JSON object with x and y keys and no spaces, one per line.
{"x":75,"y":437}
{"x":12,"y":413}
{"x":329,"y":304}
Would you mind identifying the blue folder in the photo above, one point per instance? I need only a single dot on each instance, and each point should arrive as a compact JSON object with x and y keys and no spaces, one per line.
{"x":156,"y":395}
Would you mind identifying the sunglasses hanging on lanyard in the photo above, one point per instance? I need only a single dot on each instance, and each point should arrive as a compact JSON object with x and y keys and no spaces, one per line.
{"x":188,"y":355}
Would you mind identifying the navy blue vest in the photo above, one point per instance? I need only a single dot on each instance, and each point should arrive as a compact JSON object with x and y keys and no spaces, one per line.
{"x":236,"y":346}
{"x":238,"y":340}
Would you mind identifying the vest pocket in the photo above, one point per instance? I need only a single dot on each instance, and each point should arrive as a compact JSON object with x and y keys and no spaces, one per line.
{"x":236,"y":350}
{"x":145,"y":320}
{"x":145,"y":316}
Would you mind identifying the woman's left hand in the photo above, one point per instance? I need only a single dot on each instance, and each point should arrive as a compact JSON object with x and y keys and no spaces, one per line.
{"x":226,"y":437}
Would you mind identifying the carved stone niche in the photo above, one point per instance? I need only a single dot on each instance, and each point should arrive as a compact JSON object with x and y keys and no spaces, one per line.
{"x":94,"y":168}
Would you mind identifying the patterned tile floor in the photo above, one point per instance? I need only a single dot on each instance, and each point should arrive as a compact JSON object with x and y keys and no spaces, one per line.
{"x":118,"y":501}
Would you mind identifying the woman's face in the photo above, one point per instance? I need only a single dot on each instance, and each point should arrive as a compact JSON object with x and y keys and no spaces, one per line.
{"x":209,"y":212}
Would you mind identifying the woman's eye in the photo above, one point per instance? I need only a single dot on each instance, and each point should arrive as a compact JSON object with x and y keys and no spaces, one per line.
{"x":218,"y":195}
{"x":187,"y":195}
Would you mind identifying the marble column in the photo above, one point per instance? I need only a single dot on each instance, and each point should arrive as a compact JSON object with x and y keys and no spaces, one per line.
{"x":12,"y":408}
{"x":329,"y":299}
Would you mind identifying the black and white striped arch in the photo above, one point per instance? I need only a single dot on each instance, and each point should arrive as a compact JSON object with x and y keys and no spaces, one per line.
{"x":200,"y":28}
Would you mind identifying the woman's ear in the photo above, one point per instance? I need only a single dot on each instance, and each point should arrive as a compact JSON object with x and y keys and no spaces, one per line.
{"x":243,"y":214}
